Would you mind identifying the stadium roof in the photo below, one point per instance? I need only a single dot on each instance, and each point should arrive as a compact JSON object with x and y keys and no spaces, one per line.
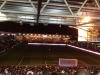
{"x":63,"y":13}
{"x":67,"y":12}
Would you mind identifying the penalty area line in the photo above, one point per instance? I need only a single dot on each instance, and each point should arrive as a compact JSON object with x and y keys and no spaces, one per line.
{"x":20,"y":60}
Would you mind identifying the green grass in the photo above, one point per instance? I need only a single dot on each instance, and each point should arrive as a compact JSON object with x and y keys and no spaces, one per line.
{"x":37,"y":55}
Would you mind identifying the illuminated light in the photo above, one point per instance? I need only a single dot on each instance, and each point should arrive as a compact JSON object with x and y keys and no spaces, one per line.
{"x":14,"y":34}
{"x":23,"y":34}
{"x":46,"y":66}
{"x":98,"y":46}
{"x":19,"y":33}
{"x":46,"y":44}
{"x":27,"y":34}
{"x":44,"y":36}
{"x":83,"y":31}
{"x":86,"y":19}
{"x":59,"y":25}
{"x":8,"y":34}
{"x":82,"y":35}
{"x":71,"y":26}
{"x":84,"y":49}
{"x":2,"y":34}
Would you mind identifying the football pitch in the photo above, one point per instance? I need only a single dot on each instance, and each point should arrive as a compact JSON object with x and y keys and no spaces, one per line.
{"x":25,"y":54}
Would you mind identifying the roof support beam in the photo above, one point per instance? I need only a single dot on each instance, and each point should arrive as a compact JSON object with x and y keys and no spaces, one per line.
{"x":53,"y":4}
{"x":68,"y":7}
{"x":38,"y":10}
{"x":97,"y":4}
{"x":33,"y":6}
{"x":45,"y":5}
{"x":81,"y":7}
{"x":70,"y":16}
{"x":44,"y":14}
{"x":18,"y":12}
{"x":88,"y":23}
{"x":3,"y":4}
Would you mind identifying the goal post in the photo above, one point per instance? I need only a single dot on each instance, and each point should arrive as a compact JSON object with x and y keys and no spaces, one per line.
{"x":68,"y":62}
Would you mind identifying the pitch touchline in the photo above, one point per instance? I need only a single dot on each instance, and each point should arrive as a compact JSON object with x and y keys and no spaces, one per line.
{"x":4,"y":53}
{"x":20,"y":61}
{"x":83,"y":49}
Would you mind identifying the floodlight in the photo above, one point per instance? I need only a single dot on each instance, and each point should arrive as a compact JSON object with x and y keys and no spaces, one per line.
{"x":86,"y":19}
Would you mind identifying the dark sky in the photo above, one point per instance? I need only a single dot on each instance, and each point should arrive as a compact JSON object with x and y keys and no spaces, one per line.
{"x":26,"y":28}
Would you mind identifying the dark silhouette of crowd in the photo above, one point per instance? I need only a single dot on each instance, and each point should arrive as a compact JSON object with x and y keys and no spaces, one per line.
{"x":7,"y":42}
{"x":42,"y":70}
{"x":93,"y":46}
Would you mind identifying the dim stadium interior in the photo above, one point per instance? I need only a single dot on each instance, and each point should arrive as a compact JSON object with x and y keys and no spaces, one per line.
{"x":38,"y":36}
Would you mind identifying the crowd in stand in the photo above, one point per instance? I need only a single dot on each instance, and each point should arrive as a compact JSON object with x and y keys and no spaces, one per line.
{"x":41,"y":70}
{"x":94,"y":46}
{"x":7,"y":42}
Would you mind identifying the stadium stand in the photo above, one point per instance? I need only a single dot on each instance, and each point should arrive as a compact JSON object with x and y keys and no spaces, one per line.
{"x":42,"y":70}
{"x":7,"y":42}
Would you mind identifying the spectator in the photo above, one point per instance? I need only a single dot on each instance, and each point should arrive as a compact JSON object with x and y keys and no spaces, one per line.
{"x":82,"y":72}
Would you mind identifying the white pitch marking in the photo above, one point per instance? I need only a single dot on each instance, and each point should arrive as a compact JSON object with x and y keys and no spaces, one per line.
{"x":20,"y":61}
